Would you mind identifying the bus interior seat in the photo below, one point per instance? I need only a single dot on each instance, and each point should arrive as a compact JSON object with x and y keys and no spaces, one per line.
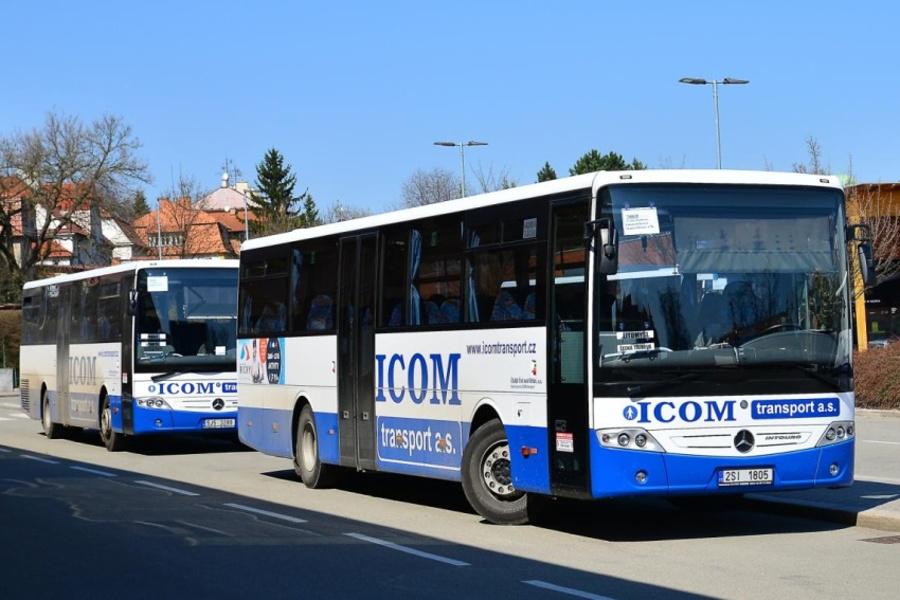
{"x":321,"y":314}
{"x":450,"y":310}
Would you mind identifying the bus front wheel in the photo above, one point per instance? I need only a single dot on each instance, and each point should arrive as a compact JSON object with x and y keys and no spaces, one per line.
{"x":52,"y":430}
{"x":487,"y":480}
{"x":111,"y":439}
{"x":309,"y":467}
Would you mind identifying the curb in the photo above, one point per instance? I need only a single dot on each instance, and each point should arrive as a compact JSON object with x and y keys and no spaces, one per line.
{"x":874,"y":518}
{"x":878,"y":414}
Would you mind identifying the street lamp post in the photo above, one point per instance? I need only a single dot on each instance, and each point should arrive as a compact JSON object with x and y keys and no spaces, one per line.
{"x":715,"y":85}
{"x":462,"y":157}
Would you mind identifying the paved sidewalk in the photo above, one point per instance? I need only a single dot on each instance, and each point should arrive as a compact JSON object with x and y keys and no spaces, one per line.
{"x":867,"y":503}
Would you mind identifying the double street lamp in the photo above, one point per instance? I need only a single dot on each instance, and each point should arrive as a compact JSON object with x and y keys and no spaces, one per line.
{"x":715,"y":84}
{"x":462,"y":157}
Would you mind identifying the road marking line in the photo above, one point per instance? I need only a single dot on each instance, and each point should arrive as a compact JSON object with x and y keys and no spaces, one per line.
{"x":419,"y":553}
{"x":5,"y":419}
{"x":203,"y":528}
{"x":5,"y":450}
{"x":167,"y":488}
{"x":565,"y":590}
{"x":872,"y":479}
{"x":20,"y":416}
{"x":267,"y":513}
{"x":880,"y":442}
{"x":95,"y":471}
{"x":43,"y":460}
{"x":10,"y":405}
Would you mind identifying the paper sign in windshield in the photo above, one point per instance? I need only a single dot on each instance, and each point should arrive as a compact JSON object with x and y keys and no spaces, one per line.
{"x":157,"y":283}
{"x":631,"y":348}
{"x":640,"y":221}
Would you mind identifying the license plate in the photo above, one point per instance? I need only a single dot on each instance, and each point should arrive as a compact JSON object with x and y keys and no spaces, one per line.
{"x":732,"y":477}
{"x":218,"y":423}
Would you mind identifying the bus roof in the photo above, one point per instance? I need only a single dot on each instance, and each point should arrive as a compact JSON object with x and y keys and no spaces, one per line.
{"x":588,"y":181}
{"x":134,"y":266}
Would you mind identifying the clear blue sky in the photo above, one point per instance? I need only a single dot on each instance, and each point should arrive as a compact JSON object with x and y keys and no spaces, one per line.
{"x":355,"y":93}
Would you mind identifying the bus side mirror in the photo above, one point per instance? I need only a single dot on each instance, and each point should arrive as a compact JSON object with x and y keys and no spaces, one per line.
{"x":602,"y":235}
{"x":862,"y":234}
{"x":132,"y":303}
{"x":866,"y":264}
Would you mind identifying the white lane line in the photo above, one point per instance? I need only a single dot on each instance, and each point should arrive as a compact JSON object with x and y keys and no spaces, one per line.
{"x":419,"y":553}
{"x":20,"y":416}
{"x":10,"y":405}
{"x":267,"y":513}
{"x":43,"y":460}
{"x":880,"y":442}
{"x":5,"y":419}
{"x":94,"y":471}
{"x":166,"y":488}
{"x":873,"y":479}
{"x":565,"y":590}
{"x":5,"y":450}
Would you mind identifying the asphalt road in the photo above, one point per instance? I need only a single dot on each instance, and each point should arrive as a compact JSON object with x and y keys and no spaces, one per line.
{"x":192,"y":517}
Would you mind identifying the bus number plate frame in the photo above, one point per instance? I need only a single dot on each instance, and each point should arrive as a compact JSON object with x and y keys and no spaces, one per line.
{"x":744,"y":477}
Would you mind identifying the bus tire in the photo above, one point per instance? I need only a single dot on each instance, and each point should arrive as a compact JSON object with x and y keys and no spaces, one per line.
{"x":308,"y":466}
{"x":113,"y":441}
{"x":486,"y":478}
{"x":53,"y":431}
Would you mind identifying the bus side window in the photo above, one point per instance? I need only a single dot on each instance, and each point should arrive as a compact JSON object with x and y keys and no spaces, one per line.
{"x":393,"y":276}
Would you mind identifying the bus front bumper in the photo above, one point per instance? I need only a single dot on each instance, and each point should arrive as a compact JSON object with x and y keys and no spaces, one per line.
{"x":155,"y":420}
{"x":616,"y":472}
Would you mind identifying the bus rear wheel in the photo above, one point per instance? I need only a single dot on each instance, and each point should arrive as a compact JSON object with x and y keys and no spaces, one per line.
{"x":111,"y":439}
{"x":53,"y":431}
{"x":487,"y":480}
{"x":308,"y":466}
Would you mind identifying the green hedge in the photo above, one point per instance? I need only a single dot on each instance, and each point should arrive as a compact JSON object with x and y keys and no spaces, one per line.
{"x":877,"y":377}
{"x":10,"y":335}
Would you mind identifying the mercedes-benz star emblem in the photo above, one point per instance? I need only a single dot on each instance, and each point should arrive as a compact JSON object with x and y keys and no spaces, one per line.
{"x":743,"y":441}
{"x":218,"y":404}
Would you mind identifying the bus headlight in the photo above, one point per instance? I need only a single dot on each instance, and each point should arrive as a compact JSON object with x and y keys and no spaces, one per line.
{"x":631,"y":438}
{"x":837,"y":431}
{"x":153,"y":402}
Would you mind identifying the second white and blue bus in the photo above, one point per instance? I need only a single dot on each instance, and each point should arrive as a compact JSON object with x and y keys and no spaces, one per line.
{"x":133,"y":349}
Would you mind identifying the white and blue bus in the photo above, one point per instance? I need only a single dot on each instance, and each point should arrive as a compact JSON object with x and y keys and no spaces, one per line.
{"x":668,"y":333}
{"x":133,"y":349}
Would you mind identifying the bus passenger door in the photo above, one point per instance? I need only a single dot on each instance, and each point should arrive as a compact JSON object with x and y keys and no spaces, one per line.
{"x":567,"y":397}
{"x":63,"y":333}
{"x":356,"y":351}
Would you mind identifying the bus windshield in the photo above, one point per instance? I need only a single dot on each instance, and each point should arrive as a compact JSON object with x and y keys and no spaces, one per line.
{"x":714,"y":278}
{"x":186,"y":319}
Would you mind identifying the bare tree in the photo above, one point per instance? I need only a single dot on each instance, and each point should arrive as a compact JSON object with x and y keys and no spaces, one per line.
{"x":428,"y":187}
{"x":872,"y":205}
{"x":338,"y":211}
{"x":51,"y":177}
{"x":815,"y":165}
{"x":488,"y":181}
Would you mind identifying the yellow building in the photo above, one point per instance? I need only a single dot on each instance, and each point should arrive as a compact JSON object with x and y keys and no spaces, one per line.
{"x":877,"y":311}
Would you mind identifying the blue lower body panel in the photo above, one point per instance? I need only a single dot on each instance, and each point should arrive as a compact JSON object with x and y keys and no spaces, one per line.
{"x":271,"y":432}
{"x":613,"y":471}
{"x":169,"y":421}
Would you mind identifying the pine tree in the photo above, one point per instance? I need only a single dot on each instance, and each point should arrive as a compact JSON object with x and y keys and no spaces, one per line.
{"x":547,"y":173}
{"x":139,"y":205}
{"x":594,"y":161}
{"x":310,"y":215}
{"x":274,"y":205}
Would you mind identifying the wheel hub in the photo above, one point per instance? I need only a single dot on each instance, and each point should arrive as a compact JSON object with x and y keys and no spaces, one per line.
{"x":496,"y":470}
